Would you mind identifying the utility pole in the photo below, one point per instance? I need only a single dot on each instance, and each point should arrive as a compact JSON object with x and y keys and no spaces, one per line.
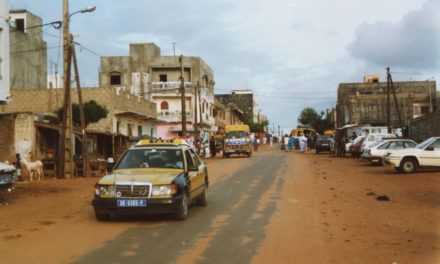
{"x":182,"y":93}
{"x":196,"y":130}
{"x":388,"y":102}
{"x":66,"y":155}
{"x":390,"y":80}
{"x":84,"y":152}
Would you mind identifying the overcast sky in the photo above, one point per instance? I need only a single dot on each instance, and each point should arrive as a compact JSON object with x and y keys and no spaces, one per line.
{"x":291,"y":53}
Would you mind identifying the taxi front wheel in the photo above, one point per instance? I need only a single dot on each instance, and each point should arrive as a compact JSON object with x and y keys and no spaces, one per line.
{"x":182,"y":213}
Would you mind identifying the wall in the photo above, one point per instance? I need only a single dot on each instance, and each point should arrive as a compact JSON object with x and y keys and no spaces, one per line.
{"x":425,"y":127}
{"x":49,"y":100}
{"x":367,"y":103}
{"x":28,"y":54}
{"x":4,"y":52}
{"x":7,"y":132}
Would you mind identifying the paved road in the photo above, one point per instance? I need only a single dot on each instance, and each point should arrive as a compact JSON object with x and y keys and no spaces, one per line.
{"x":228,"y":230}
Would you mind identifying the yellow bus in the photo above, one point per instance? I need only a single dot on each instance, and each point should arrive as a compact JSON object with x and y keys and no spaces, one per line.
{"x":308,"y":132}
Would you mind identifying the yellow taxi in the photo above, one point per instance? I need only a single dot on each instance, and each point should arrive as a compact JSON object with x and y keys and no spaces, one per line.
{"x":153,"y":177}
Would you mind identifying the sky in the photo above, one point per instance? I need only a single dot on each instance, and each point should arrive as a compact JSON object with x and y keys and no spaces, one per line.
{"x":292,"y":53}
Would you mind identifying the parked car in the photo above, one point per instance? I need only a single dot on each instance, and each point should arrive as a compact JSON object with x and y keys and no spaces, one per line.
{"x":356,"y":146}
{"x":374,"y":137}
{"x":322,"y":144}
{"x":8,"y":175}
{"x":379,"y":149}
{"x":425,"y":154}
{"x":153,"y":177}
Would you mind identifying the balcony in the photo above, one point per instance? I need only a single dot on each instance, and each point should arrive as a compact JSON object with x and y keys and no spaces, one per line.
{"x":160,"y":86}
{"x":173,"y":116}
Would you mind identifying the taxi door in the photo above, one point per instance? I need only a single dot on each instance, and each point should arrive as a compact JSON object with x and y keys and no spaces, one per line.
{"x":196,"y":177}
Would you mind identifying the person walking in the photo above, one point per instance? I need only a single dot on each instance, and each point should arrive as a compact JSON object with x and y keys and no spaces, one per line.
{"x":286,"y":142}
{"x":302,"y":143}
{"x":212,"y":147}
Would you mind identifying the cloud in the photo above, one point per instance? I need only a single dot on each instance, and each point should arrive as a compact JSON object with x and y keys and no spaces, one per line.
{"x":412,"y":43}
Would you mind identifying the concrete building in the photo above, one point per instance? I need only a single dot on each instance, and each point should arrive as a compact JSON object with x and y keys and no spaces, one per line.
{"x":35,"y":130}
{"x":28,"y":51}
{"x":366,"y":103}
{"x":244,"y":100}
{"x":4,"y":52}
{"x":146,"y":73}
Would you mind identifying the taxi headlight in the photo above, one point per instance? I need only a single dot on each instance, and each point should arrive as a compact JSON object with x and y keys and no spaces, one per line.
{"x":161,"y":190}
{"x":105,"y":190}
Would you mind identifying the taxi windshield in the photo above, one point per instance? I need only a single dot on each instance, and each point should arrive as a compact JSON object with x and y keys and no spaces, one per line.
{"x":151,"y":158}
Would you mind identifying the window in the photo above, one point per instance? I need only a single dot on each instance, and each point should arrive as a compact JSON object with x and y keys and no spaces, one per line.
{"x":139,"y":130}
{"x":129,"y":130}
{"x":164,"y":105}
{"x":19,"y":24}
{"x":118,"y":127}
{"x":115,"y":79}
{"x":189,"y":160}
{"x":425,"y":110}
{"x":195,"y":158}
{"x":409,"y":144}
{"x":162,"y":77}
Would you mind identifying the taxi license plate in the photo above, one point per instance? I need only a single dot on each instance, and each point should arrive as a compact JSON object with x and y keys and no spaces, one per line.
{"x":132,"y":203}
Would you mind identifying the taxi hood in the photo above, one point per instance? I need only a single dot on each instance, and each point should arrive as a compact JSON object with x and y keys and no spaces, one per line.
{"x":154,"y":176}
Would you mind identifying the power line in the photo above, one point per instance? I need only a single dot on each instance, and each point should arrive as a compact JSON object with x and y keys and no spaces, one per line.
{"x":87,"y":49}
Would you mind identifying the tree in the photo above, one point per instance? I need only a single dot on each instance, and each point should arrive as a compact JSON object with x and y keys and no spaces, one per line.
{"x":308,"y":117}
{"x":93,"y":112}
{"x":320,"y":122}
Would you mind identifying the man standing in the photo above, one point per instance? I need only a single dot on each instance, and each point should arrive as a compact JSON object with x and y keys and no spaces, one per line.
{"x":212,"y":147}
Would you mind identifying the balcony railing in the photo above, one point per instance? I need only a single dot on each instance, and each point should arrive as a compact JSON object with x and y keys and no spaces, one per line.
{"x":169,"y":85}
{"x":173,"y":116}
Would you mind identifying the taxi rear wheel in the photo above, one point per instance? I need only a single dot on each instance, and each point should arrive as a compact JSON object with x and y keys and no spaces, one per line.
{"x":182,"y":213}
{"x":203,"y":199}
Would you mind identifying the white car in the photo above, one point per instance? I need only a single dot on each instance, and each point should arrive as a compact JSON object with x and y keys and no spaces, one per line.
{"x":374,"y":137}
{"x":425,"y":154}
{"x":379,"y":149}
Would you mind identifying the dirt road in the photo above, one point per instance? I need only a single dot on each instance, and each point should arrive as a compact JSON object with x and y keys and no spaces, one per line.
{"x":276,"y":207}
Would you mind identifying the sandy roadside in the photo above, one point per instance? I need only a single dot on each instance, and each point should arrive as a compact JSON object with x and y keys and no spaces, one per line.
{"x":329,"y":214}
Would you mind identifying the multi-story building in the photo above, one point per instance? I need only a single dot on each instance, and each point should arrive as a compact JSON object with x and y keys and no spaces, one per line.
{"x":28,"y":51}
{"x":4,"y":52}
{"x":366,"y":103}
{"x":244,"y":100}
{"x":145,"y":72}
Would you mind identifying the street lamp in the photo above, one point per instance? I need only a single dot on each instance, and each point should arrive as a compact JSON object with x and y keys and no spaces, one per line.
{"x":88,"y":9}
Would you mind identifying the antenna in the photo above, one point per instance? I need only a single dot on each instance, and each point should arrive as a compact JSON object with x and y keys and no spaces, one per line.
{"x":174,"y":48}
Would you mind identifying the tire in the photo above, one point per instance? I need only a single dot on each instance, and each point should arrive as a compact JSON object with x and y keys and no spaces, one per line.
{"x":203,"y":199}
{"x":408,"y":165}
{"x":102,"y":217}
{"x":182,"y":213}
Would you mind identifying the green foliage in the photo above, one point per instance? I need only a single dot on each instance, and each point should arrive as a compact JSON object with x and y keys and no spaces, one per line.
{"x":93,"y":112}
{"x":255,"y":127}
{"x":320,"y":122}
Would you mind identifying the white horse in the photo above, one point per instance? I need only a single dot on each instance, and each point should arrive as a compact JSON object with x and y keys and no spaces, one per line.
{"x":34,"y":167}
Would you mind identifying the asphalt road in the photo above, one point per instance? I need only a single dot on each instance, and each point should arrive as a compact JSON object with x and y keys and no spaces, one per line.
{"x":228,"y":230}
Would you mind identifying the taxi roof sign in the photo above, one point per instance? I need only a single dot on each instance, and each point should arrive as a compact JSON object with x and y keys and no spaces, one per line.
{"x":176,"y":141}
